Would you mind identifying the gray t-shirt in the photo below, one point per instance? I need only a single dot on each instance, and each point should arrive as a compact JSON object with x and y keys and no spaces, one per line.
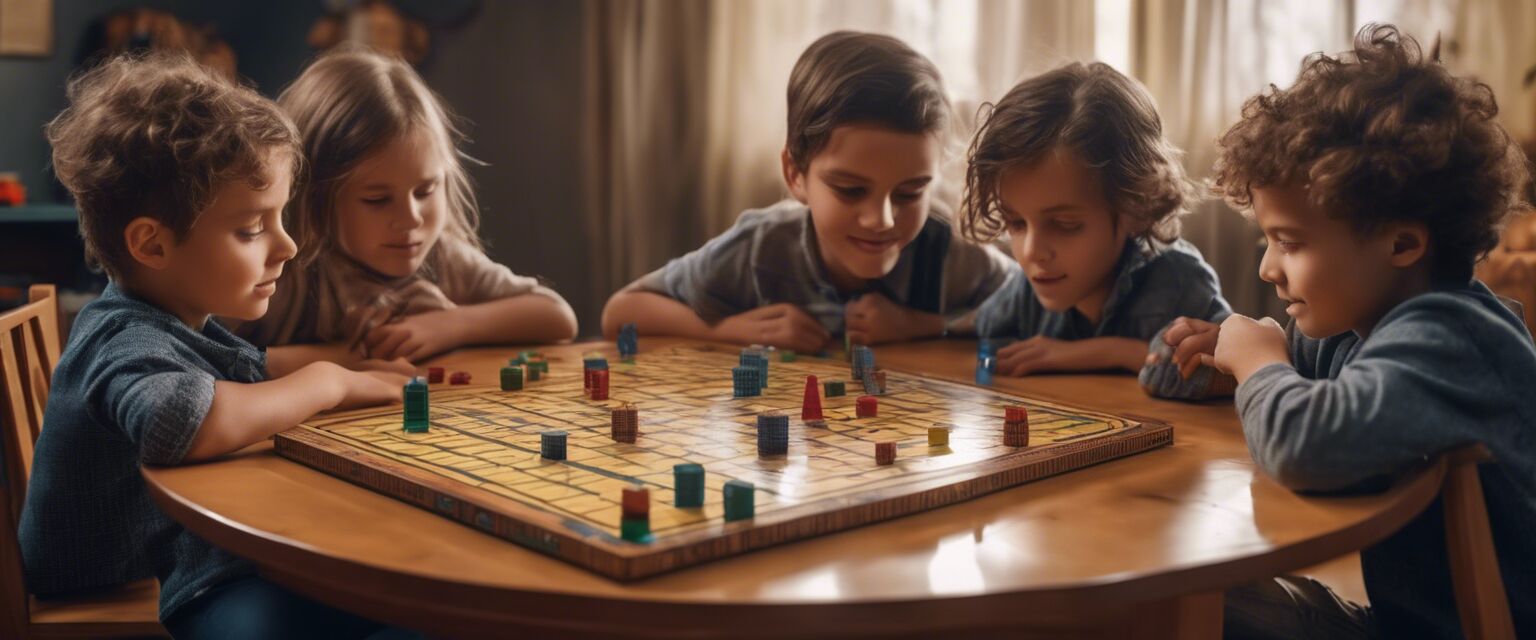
{"x":1441,"y":370}
{"x":771,"y":256}
{"x":131,"y":388}
{"x":1155,"y":283}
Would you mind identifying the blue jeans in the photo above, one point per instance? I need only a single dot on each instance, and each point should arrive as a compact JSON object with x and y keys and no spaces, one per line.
{"x":252,"y":608}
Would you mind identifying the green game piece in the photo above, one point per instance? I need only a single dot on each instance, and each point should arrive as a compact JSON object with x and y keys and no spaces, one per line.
{"x":543,"y":366}
{"x":511,"y":378}
{"x":417,"y":413}
{"x":688,"y":485}
{"x":738,"y":500}
{"x":528,"y":355}
{"x":833,"y":389}
{"x":517,"y":362}
{"x":533,"y":373}
{"x":786,"y":356}
{"x":636,"y":530}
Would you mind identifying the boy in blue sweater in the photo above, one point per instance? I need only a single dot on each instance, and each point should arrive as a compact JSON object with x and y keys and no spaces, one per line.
{"x":1379,"y":179}
{"x":180,"y":178}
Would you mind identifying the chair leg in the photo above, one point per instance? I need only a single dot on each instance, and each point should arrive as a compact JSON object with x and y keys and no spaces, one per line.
{"x":1480,"y":598}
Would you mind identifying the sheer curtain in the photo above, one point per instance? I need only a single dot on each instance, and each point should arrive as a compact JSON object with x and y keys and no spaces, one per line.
{"x":685,"y":116}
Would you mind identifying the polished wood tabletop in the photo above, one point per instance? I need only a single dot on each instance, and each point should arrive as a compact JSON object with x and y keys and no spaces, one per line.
{"x":1140,"y":546}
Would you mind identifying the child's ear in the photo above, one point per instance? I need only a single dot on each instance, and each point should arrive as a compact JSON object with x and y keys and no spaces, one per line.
{"x":793,"y":177}
{"x":149,"y":242}
{"x":1410,"y":241}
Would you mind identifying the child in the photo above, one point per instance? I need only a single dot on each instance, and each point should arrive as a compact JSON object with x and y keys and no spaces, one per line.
{"x":391,"y":266}
{"x":180,"y":179}
{"x":1379,"y":180}
{"x":1074,"y":166}
{"x":857,"y":251}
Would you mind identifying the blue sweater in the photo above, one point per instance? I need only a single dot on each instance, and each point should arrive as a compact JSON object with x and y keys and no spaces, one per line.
{"x":131,"y":388}
{"x":1439,"y":371}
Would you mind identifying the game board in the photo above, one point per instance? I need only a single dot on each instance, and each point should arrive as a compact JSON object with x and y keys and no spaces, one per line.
{"x":480,"y":461}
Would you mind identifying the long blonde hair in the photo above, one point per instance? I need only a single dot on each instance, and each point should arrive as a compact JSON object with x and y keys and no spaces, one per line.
{"x":347,"y":105}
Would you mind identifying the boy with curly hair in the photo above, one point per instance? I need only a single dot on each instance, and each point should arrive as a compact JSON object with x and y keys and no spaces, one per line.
{"x":1379,"y":180}
{"x":180,"y":178}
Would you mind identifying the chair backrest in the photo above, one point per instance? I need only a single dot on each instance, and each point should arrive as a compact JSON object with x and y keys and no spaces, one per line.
{"x":29,"y":350}
{"x":1481,"y":602}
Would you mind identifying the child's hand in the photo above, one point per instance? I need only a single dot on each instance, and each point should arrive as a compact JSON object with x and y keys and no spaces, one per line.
{"x":1035,"y":355}
{"x":874,"y":319}
{"x":1247,"y":345}
{"x":783,"y":325}
{"x":1189,"y":338}
{"x":416,"y":337}
{"x":370,"y":388}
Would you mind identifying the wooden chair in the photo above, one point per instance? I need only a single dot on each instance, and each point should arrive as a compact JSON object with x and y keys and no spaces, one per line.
{"x":29,"y":350}
{"x":1480,"y":599}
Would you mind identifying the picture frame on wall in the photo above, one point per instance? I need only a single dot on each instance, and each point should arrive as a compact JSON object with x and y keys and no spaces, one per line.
{"x":26,"y":28}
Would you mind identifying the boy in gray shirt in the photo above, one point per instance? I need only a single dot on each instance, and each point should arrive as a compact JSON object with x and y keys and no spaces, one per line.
{"x":1395,"y":353}
{"x":859,"y":250}
{"x":180,"y":178}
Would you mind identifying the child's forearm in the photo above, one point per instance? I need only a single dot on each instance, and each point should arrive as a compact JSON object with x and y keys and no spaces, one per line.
{"x":531,"y":317}
{"x":244,"y":414}
{"x":653,"y":314}
{"x":1111,"y":353}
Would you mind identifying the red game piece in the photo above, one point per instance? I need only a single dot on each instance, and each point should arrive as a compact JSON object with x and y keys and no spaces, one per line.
{"x":599,"y":388}
{"x":867,"y":407}
{"x":810,"y":409}
{"x":626,"y":423}
{"x":1016,"y":413}
{"x":435,"y":375}
{"x":637,"y":502}
{"x":459,"y":377}
{"x":885,"y":452}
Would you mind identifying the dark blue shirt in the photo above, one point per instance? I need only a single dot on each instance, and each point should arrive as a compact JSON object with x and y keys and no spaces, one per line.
{"x":1439,"y":371}
{"x":131,"y":388}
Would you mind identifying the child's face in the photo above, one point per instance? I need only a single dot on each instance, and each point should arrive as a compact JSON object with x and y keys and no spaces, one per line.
{"x":1333,"y":280}
{"x":868,"y":195}
{"x":1062,"y":232}
{"x":229,"y":262}
{"x":391,"y":210}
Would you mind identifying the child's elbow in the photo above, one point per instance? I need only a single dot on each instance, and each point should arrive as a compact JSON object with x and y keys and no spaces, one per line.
{"x":615,"y":314}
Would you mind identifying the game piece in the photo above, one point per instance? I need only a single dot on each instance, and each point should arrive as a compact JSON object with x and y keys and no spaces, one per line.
{"x":847,"y":348}
{"x":1016,"y":426}
{"x":754,"y":357}
{"x":835,"y":388}
{"x":880,"y":380}
{"x":688,"y":485}
{"x":744,"y":381}
{"x":635,"y":515}
{"x":511,"y":378}
{"x":435,"y":375}
{"x":599,"y":389}
{"x":863,"y":360}
{"x":810,"y":405}
{"x":590,"y":364}
{"x":417,"y":415}
{"x":786,"y":356}
{"x":772,"y":434}
{"x":867,"y":407}
{"x":629,"y":340}
{"x":533,"y":372}
{"x":738,"y":500}
{"x":938,"y":437}
{"x":459,"y":377}
{"x":517,"y":361}
{"x":552,"y":445}
{"x":885,"y":452}
{"x":529,"y":355}
{"x":984,"y":369}
{"x":541,"y":364}
{"x":626,"y":423}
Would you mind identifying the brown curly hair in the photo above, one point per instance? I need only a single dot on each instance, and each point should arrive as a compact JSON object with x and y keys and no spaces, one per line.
{"x":1108,"y":119}
{"x":157,"y":135}
{"x":1383,"y":134}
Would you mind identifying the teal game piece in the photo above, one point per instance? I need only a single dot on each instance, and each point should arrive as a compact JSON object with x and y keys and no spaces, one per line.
{"x":416,"y":412}
{"x":511,"y":378}
{"x":688,"y":485}
{"x":738,"y":500}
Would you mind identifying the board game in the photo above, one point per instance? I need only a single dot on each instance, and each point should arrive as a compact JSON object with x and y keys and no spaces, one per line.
{"x":479,"y":460}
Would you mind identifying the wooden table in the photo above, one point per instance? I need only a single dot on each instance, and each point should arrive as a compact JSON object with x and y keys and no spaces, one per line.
{"x":1138,"y":547}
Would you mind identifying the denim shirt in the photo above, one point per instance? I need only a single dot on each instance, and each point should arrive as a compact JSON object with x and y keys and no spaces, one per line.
{"x":131,"y":388}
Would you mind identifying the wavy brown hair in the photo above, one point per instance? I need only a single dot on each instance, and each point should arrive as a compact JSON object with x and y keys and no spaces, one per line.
{"x":157,"y":135}
{"x":1107,"y":119}
{"x":1383,"y":134}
